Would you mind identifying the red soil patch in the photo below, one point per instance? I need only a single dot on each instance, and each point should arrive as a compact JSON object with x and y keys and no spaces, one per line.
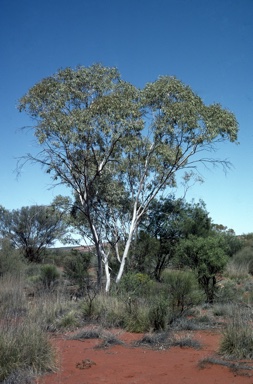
{"x":80,"y":363}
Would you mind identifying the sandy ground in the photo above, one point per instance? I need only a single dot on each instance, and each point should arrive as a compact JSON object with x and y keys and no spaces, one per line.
{"x":81,"y":363}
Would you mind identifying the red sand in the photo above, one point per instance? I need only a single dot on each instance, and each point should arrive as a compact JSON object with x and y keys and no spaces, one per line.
{"x":128,"y":365}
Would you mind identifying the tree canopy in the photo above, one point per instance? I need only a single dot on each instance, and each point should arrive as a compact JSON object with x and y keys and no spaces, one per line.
{"x":117,"y":147}
{"x":32,"y":229}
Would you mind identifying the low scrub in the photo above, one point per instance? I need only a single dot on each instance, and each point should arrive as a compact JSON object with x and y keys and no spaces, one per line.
{"x":237,"y":338}
{"x":158,"y":315}
{"x":241,"y":264}
{"x":11,"y":261}
{"x":48,"y":275}
{"x":53,"y":312}
{"x":182,"y":291}
{"x":13,"y":302}
{"x":24,"y":346}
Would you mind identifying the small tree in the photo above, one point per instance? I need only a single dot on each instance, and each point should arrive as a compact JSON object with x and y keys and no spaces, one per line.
{"x":32,"y":229}
{"x":167,"y":221}
{"x":206,"y":256}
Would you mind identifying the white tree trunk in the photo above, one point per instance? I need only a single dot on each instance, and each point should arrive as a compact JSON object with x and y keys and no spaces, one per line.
{"x":127,"y":247}
{"x":107,"y":272}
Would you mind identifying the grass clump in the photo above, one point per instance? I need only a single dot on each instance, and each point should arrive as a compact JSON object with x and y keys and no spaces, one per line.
{"x":24,"y":346}
{"x":186,"y":342}
{"x":109,"y":341}
{"x":239,"y":368}
{"x":237,"y":338}
{"x":153,"y":340}
{"x":158,"y":315}
{"x":87,"y":334}
{"x":12,"y":298}
{"x":20,"y":377}
{"x":137,"y":321}
{"x":165,"y":340}
{"x":48,"y":275}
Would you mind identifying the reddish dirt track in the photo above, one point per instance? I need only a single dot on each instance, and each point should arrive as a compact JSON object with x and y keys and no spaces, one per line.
{"x":129,"y":365}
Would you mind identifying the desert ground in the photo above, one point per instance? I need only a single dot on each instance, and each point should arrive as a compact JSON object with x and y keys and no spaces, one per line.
{"x":82,"y":362}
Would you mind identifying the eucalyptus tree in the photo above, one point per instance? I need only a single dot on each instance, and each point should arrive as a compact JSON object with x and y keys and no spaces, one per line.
{"x":105,"y":139}
{"x":179,"y":132}
{"x":85,"y":119}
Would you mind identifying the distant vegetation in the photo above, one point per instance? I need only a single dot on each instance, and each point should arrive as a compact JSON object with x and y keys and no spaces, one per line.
{"x":200,"y":265}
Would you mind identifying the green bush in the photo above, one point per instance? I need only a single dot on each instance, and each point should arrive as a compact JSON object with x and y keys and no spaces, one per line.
{"x":136,"y":284}
{"x":183,"y":291}
{"x":158,"y":315}
{"x":68,"y":320}
{"x":138,"y":321}
{"x":76,"y":268}
{"x":48,"y":275}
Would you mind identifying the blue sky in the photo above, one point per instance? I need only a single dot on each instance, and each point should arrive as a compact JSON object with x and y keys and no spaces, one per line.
{"x":207,"y":44}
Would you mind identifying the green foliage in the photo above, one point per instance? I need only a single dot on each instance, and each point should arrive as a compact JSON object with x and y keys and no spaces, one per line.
{"x":169,"y":220}
{"x":158,"y":315}
{"x":136,"y":284}
{"x":76,"y":268}
{"x":68,"y":320}
{"x":143,"y":254}
{"x":48,"y":275}
{"x":205,"y":256}
{"x":182,"y":291}
{"x":228,"y":292}
{"x":137,"y":319}
{"x":32,"y":229}
{"x":117,"y":146}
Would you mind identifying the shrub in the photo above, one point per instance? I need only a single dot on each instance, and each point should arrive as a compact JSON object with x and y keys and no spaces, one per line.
{"x":76,"y":268}
{"x":158,"y":315}
{"x":90,"y":294}
{"x":68,"y":320}
{"x":138,"y":321}
{"x":110,"y":311}
{"x":228,"y":292}
{"x":206,"y":256}
{"x":136,"y":284}
{"x":183,"y":291}
{"x":48,"y":275}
